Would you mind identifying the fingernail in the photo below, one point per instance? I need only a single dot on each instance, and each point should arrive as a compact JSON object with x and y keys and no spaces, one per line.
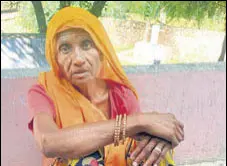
{"x":132,"y":157}
{"x":134,"y":164}
{"x":155,"y":164}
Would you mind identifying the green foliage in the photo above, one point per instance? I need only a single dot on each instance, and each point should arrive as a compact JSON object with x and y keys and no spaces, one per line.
{"x":85,"y":4}
{"x":209,"y":14}
{"x":9,"y":5}
{"x":120,"y":9}
{"x":50,"y":7}
{"x":174,"y":10}
{"x":115,"y":9}
{"x":194,"y":10}
{"x":27,"y":18}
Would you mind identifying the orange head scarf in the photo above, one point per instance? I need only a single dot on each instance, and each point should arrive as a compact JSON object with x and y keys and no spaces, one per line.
{"x":72,"y":107}
{"x":59,"y":88}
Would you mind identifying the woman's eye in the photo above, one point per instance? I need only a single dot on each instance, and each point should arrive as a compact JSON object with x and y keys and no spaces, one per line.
{"x":87,"y":44}
{"x":65,"y":49}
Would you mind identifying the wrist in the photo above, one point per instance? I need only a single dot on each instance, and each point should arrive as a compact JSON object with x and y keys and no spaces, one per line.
{"x":141,"y":123}
{"x":135,"y":124}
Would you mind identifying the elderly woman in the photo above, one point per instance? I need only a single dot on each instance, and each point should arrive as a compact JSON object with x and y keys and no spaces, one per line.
{"x":85,"y":111}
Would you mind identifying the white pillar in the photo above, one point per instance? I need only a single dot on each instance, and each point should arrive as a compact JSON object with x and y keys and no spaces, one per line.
{"x":155,"y":34}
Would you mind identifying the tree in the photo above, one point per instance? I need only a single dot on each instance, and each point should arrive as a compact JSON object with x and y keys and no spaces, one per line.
{"x":223,"y":50}
{"x":64,"y":4}
{"x":197,"y":10}
{"x":175,"y":10}
{"x":40,"y":16}
{"x":95,"y":8}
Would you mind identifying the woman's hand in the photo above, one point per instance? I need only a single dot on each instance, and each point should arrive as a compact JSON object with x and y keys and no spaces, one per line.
{"x":162,"y":125}
{"x":151,"y":150}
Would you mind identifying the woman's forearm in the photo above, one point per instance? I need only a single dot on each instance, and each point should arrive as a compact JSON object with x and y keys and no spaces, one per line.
{"x":81,"y":140}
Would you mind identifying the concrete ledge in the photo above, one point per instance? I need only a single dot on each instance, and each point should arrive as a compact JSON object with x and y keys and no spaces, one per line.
{"x":140,"y":69}
{"x":211,"y":163}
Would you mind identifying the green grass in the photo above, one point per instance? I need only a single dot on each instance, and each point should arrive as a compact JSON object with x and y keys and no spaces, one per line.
{"x":126,"y":63}
{"x":123,"y":48}
{"x":189,"y":58}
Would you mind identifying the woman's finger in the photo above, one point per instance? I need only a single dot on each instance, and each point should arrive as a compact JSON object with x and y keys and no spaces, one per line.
{"x":179,"y":136}
{"x":166,"y":148}
{"x":181,"y":132}
{"x":146,"y":151}
{"x":139,"y":147}
{"x":156,"y":152}
{"x":181,"y":124}
{"x":174,"y":142}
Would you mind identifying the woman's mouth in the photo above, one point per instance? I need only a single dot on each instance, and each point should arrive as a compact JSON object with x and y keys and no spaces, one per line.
{"x":79,"y":74}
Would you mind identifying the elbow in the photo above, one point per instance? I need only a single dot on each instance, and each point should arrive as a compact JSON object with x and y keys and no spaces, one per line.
{"x":45,"y":146}
{"x":51,"y":149}
{"x":47,"y":153}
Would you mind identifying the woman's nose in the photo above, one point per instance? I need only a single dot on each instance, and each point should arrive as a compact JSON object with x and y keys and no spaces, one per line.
{"x":78,"y":57}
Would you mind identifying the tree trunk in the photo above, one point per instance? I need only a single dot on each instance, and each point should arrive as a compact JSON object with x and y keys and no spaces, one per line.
{"x":147,"y":33}
{"x":97,"y":8}
{"x":64,"y":4}
{"x":223,"y":50}
{"x":40,"y":17}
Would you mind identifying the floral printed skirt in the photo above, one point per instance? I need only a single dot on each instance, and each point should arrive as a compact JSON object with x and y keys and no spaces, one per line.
{"x":94,"y":159}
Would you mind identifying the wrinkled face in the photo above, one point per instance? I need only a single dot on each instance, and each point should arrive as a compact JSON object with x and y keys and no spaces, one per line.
{"x":77,"y":56}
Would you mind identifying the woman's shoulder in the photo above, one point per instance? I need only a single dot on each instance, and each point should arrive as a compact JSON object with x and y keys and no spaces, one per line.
{"x":37,"y":88}
{"x":38,"y":92}
{"x":123,"y":98}
{"x":37,"y":95}
{"x":120,"y":89}
{"x":39,"y":101}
